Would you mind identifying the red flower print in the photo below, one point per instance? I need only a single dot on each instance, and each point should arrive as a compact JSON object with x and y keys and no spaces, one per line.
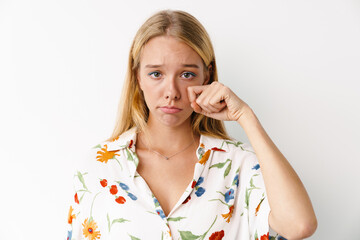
{"x":120,"y":200}
{"x":218,"y":149}
{"x":103,"y":182}
{"x":265,"y":237}
{"x":76,"y":198}
{"x":113,"y":189}
{"x":217,"y":235}
{"x":193,"y":184}
{"x":131,"y":143}
{"x":187,"y":199}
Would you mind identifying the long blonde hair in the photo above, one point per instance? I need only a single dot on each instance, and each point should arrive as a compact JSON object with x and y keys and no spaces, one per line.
{"x":132,"y":109}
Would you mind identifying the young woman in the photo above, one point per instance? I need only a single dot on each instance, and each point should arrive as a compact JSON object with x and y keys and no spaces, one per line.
{"x":169,"y":170}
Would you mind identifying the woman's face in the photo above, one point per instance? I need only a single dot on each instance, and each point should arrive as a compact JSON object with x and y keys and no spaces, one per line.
{"x":167,"y":67}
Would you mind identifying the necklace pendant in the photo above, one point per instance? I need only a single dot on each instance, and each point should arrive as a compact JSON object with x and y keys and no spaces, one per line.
{"x":166,"y":158}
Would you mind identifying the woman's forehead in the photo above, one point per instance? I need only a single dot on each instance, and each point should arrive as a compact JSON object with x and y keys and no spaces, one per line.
{"x":167,"y":50}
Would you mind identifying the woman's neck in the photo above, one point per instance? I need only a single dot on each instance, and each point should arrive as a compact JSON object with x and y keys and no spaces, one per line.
{"x":167,"y":139}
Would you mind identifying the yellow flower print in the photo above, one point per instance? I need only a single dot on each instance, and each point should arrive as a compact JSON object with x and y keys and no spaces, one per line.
{"x":228,"y":215}
{"x":205,"y":157}
{"x":71,"y":216}
{"x":89,"y":230}
{"x":104,"y":155}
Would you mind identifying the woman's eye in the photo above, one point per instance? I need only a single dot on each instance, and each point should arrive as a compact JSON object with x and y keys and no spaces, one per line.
{"x":189,"y":74}
{"x":155,"y":74}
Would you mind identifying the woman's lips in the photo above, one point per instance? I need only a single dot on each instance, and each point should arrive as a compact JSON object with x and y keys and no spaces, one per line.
{"x":170,"y":110}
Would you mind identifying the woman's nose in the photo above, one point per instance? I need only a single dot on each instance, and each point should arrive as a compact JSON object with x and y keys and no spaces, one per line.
{"x":172,"y":90}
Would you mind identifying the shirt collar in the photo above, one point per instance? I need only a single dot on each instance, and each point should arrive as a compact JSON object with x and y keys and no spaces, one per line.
{"x":127,"y":141}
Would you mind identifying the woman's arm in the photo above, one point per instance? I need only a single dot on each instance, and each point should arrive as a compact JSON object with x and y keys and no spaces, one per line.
{"x":292,"y":214}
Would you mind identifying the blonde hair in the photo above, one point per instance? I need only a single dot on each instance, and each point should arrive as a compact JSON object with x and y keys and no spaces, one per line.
{"x":132,"y":109}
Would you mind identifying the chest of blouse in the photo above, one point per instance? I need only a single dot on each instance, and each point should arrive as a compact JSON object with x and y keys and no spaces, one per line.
{"x":225,"y":198}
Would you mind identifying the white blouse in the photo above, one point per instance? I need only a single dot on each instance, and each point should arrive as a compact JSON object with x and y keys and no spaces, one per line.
{"x":226,"y":198}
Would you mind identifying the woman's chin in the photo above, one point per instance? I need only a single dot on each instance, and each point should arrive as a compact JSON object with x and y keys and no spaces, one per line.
{"x":172,"y":121}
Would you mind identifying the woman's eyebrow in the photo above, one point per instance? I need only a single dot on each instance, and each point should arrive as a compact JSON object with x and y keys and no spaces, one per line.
{"x":184,"y":65}
{"x":191,"y":65}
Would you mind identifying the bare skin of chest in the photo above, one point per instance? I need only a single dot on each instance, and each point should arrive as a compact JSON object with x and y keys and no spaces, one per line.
{"x":167,"y":179}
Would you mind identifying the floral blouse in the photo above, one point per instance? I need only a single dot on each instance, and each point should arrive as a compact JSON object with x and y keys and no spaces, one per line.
{"x":226,"y":199}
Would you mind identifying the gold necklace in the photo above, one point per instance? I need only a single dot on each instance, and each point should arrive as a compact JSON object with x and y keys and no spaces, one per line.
{"x":167,"y":158}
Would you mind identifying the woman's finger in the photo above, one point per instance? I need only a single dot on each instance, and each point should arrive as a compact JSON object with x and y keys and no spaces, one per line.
{"x":194,"y":91}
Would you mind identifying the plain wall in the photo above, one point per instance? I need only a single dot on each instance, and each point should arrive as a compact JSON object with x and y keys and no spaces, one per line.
{"x":62,"y":66}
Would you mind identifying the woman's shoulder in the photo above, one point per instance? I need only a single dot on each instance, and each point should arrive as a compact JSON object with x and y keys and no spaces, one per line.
{"x":231,"y":146}
{"x":241,"y":154}
{"x":104,"y":151}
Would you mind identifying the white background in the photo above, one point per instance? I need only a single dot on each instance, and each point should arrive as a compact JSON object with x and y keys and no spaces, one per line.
{"x":62,"y":65}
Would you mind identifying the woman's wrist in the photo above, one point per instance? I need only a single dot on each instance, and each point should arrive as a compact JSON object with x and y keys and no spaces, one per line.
{"x":247,"y":117}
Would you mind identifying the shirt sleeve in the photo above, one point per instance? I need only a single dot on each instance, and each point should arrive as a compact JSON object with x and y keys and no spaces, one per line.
{"x":75,"y":209}
{"x":81,"y":224}
{"x":256,"y":200}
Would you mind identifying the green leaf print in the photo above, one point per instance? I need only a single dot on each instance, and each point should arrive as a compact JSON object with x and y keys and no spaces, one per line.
{"x":221,"y":193}
{"x":236,"y":144}
{"x":97,"y":146}
{"x":136,"y":159}
{"x":256,"y":235}
{"x":108,"y":220}
{"x":247,"y":196}
{"x":175,"y":219}
{"x":248,"y":193}
{"x":218,"y":165}
{"x":217,"y":199}
{"x":252,"y":183}
{"x":227,"y":170}
{"x":82,"y":190}
{"x":187,"y":235}
{"x":221,"y":165}
{"x":81,"y":198}
{"x":220,"y":201}
{"x":134,"y":238}
{"x":118,"y":220}
{"x":81,"y":179}
{"x":92,"y":204}
{"x":129,"y":156}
